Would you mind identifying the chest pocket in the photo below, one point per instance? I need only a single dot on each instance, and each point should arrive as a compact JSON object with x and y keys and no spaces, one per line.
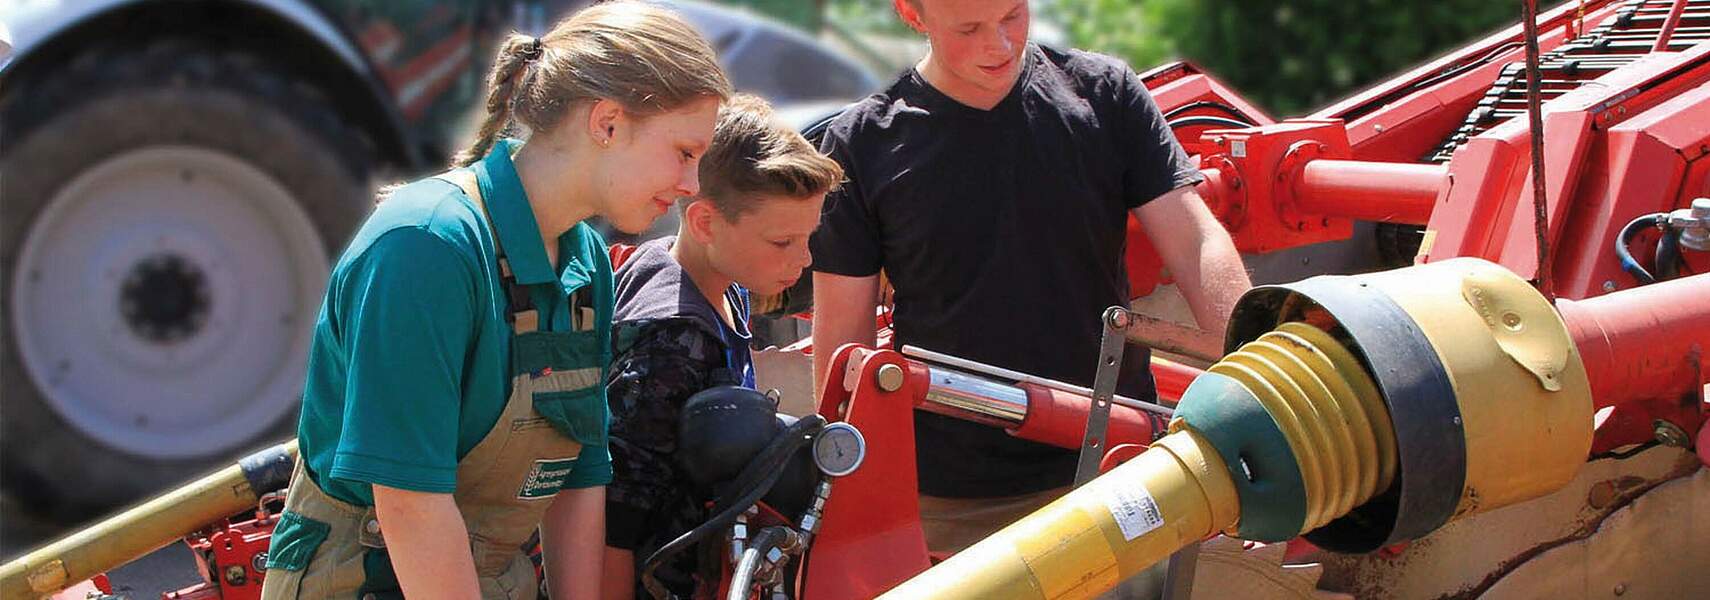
{"x":579,"y":414}
{"x":566,"y":382}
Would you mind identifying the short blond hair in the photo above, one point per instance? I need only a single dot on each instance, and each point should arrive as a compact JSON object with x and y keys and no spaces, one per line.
{"x":753,"y":154}
{"x":644,"y":57}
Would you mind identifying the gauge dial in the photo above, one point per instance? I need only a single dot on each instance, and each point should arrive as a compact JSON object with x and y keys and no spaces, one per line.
{"x":839,"y":449}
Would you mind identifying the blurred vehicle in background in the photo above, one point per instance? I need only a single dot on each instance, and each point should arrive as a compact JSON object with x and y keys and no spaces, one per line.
{"x":180,"y":174}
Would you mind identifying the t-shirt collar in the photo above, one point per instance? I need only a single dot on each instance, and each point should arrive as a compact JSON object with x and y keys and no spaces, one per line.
{"x":943,"y":101}
{"x":513,"y":218}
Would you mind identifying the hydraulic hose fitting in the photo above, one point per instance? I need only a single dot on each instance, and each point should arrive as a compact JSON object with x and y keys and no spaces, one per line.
{"x":1694,"y":225}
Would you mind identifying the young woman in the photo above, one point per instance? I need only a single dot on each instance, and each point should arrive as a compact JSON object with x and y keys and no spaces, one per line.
{"x":682,"y":320}
{"x":454,"y":400}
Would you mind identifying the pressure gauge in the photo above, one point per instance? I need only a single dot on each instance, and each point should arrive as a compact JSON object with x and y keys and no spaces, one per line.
{"x":839,"y":449}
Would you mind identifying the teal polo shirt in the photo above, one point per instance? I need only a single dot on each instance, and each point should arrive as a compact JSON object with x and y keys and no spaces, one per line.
{"x":410,"y":365}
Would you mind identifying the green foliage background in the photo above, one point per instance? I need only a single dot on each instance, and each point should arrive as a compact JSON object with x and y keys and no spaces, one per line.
{"x":1289,"y":56}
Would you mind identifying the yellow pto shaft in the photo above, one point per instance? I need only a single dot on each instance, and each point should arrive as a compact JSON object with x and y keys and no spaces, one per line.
{"x":1181,"y":490}
{"x":1359,"y":411}
{"x":146,"y":527}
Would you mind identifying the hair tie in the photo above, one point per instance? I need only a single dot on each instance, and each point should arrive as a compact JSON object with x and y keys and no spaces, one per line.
{"x":532,"y":49}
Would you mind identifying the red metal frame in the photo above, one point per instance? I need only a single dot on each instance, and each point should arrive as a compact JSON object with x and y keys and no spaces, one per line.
{"x":225,"y":549}
{"x":1407,"y":127}
{"x":872,"y":538}
{"x":1584,"y":133}
{"x":1626,"y":146}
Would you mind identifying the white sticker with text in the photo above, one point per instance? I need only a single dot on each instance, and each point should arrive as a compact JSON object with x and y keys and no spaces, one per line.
{"x":1134,"y":509}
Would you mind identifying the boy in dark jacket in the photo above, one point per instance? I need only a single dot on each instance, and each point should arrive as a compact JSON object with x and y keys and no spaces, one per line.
{"x":681,"y":324}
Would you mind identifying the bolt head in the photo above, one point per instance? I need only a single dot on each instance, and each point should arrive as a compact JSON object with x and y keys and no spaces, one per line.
{"x":1511,"y":321}
{"x":1669,"y":434}
{"x":890,"y":378}
{"x":1116,"y":317}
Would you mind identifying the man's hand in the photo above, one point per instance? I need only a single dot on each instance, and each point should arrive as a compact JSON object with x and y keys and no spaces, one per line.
{"x":843,"y":312}
{"x":1198,"y":252}
{"x":573,"y":539}
{"x":428,"y":544}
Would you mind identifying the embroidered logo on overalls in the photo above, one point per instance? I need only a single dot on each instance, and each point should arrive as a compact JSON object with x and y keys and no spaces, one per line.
{"x":546,"y":478}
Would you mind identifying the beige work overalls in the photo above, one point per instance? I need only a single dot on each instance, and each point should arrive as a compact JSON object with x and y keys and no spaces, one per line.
{"x":504,"y":484}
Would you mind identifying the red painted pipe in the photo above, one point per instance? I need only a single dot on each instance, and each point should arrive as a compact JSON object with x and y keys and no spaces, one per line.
{"x":1648,"y":342}
{"x":1172,"y":379}
{"x":1673,"y":20}
{"x":1210,"y":189}
{"x":1370,"y":191}
{"x":1059,"y":418}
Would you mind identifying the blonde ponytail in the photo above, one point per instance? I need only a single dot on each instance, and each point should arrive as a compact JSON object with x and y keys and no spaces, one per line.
{"x":514,"y":57}
{"x":642,"y":56}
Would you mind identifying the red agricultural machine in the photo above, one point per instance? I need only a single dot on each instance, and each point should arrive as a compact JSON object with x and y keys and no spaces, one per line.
{"x":1519,"y":414}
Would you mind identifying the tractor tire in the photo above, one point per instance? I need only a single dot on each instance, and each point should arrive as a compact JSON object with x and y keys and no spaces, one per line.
{"x":168,"y":218}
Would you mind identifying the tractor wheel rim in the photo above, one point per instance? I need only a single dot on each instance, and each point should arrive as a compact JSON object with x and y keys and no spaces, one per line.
{"x":163,"y":301}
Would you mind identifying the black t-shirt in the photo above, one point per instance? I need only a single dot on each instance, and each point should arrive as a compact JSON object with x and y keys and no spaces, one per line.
{"x":1002,"y":233}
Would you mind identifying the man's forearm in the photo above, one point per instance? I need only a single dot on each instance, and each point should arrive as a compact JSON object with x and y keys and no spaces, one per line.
{"x":428,"y":544}
{"x":1222,"y":280}
{"x":1199,"y":253}
{"x":573,"y":537}
{"x":843,"y":313}
{"x":832,"y":333}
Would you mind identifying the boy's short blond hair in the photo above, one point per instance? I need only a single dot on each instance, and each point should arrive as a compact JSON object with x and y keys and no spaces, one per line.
{"x":752,"y":155}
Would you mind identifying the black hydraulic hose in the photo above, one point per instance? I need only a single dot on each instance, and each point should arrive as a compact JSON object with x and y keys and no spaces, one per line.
{"x":1210,"y":121}
{"x":687,"y":540}
{"x":1450,"y":72}
{"x":1668,"y":255}
{"x":772,"y":459}
{"x":1233,"y":112}
{"x":752,"y":484}
{"x":1631,"y":229}
{"x":742,"y":577}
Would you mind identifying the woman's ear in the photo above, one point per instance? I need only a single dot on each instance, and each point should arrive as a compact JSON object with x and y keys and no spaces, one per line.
{"x":698,"y":215}
{"x":605,"y":119}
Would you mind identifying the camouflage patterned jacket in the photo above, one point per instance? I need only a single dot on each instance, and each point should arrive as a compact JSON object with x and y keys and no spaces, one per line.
{"x":668,"y":345}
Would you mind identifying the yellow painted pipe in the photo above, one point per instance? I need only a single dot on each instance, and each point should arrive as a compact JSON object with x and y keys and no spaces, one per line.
{"x":131,"y":534}
{"x":1522,"y":388}
{"x":1083,"y":544}
{"x":1180,"y":490}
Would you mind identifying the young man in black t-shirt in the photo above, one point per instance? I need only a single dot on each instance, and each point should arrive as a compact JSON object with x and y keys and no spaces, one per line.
{"x":992,"y":183}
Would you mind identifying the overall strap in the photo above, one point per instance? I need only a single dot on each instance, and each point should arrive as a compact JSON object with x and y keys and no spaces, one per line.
{"x":522,"y":315}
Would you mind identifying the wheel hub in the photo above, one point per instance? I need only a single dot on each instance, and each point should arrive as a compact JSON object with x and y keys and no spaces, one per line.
{"x":164,"y":299}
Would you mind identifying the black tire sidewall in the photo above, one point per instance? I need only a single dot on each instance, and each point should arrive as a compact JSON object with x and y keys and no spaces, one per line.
{"x":49,"y":465}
